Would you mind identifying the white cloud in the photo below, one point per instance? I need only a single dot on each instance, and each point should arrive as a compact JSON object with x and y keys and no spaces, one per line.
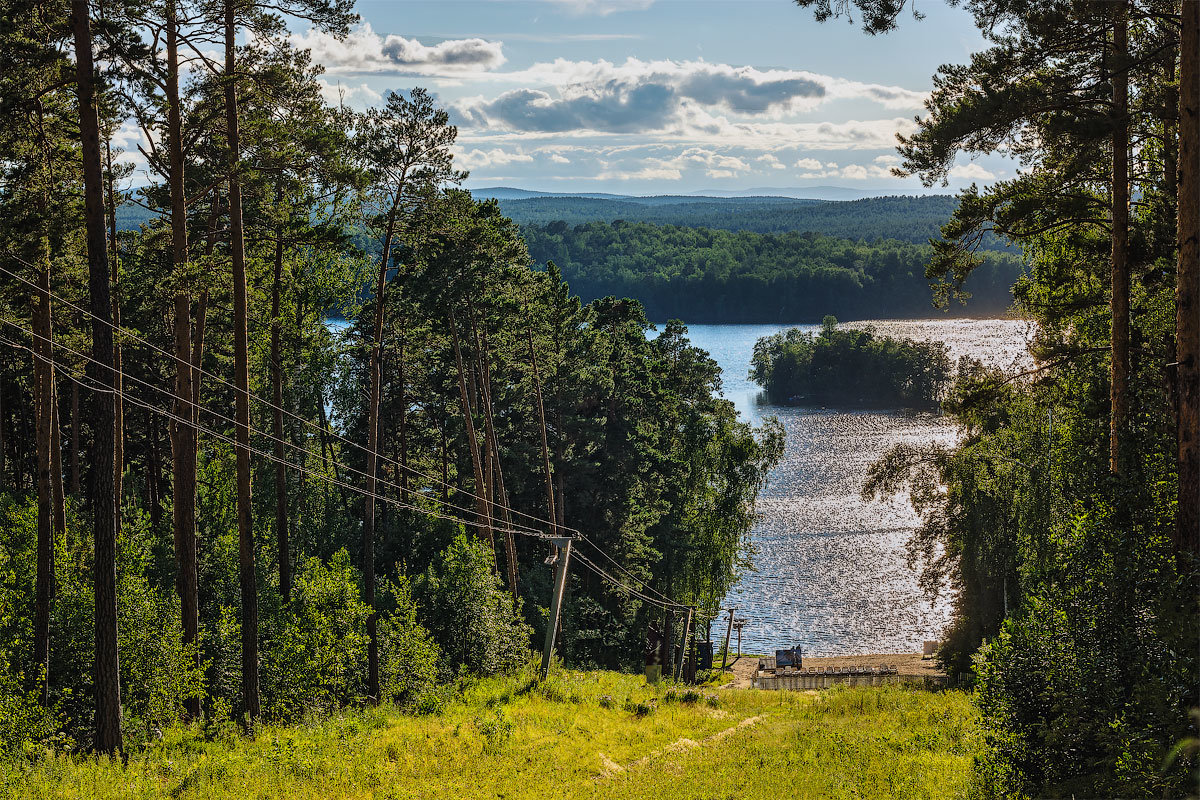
{"x":555,"y":158}
{"x":770,"y":161}
{"x":861,"y":172}
{"x":641,"y":96}
{"x":337,"y":93}
{"x":971,"y":172}
{"x":602,"y":7}
{"x":365,"y":51}
{"x":488,"y":159}
{"x":888,"y":160}
{"x":809,"y":164}
{"x":651,"y":173}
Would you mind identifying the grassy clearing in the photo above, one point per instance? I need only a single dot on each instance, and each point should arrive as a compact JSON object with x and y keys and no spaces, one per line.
{"x":581,"y":734}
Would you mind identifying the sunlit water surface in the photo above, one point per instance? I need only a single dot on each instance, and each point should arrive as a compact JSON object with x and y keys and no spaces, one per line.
{"x":831,"y":568}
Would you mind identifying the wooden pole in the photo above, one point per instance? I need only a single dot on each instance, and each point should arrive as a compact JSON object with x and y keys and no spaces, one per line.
{"x":560,"y":583}
{"x":687,"y":626}
{"x":728,"y":630}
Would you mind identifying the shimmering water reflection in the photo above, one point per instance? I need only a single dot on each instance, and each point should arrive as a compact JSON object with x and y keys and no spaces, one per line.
{"x":831,"y":570}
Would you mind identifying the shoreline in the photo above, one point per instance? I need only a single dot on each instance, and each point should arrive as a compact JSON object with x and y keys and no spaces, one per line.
{"x":908,"y":665}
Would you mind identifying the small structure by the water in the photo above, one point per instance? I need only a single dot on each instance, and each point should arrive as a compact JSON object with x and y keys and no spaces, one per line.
{"x":788,"y":675}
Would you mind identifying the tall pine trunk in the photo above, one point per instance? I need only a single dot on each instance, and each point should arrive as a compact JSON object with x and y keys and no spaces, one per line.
{"x":43,"y":402}
{"x":368,"y":545}
{"x":481,"y":503}
{"x":241,"y":358}
{"x":1119,"y":369}
{"x":74,"y":460}
{"x":183,"y":437}
{"x":118,"y":383}
{"x":541,"y":409}
{"x":1187,"y":288}
{"x":281,"y":504}
{"x":497,"y":495}
{"x":107,"y":669}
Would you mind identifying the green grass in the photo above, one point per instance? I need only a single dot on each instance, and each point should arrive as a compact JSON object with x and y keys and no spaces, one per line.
{"x":581,"y":734}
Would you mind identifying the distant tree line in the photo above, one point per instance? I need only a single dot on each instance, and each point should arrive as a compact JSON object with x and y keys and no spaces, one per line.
{"x":907,"y":219}
{"x":851,"y":367}
{"x":708,"y":275}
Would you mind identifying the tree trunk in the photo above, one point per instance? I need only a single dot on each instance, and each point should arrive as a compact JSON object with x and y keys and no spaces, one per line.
{"x":1187,"y":289}
{"x":1119,"y":369}
{"x":327,"y":445}
{"x":43,"y":394}
{"x":183,"y":437}
{"x":481,"y":504}
{"x":107,"y":668}
{"x":241,"y":358}
{"x":56,"y":467}
{"x":3,"y":429}
{"x":153,"y":472}
{"x":118,"y":382}
{"x":496,"y":482}
{"x":74,"y":460}
{"x":281,"y":506}
{"x":541,"y":409}
{"x":368,"y":546}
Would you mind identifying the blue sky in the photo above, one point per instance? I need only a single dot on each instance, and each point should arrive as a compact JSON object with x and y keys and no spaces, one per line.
{"x":657,"y":96}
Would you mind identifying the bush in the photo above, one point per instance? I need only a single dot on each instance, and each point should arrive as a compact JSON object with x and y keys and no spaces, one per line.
{"x":408,"y":658}
{"x":315,"y":649}
{"x":24,"y":723}
{"x":314,"y":652}
{"x":472,"y":618}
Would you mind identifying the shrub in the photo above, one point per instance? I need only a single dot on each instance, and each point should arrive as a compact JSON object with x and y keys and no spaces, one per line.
{"x":472,"y":618}
{"x":408,"y":658}
{"x":315,"y":651}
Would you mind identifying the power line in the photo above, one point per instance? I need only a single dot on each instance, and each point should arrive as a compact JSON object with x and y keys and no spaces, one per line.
{"x":223,"y":418}
{"x":90,"y":384}
{"x":628,"y":589}
{"x":662,"y":600}
{"x":646,"y":587}
{"x":412,"y":470}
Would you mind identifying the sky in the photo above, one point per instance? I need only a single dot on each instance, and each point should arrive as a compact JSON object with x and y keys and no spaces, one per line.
{"x":657,"y":96}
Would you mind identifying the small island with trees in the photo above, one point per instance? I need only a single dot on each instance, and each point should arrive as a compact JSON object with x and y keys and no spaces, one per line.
{"x":851,"y":367}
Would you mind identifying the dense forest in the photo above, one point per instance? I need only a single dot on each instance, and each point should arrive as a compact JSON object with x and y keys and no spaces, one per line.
{"x":908,"y":219}
{"x":706,"y":275}
{"x":851,"y":368}
{"x":1066,"y":521}
{"x":217,"y":509}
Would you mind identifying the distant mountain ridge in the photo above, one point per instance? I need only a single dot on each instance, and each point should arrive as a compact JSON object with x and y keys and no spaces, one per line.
{"x":907,"y":219}
{"x":817,"y":193}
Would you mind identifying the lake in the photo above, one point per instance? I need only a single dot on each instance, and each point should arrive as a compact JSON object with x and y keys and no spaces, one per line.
{"x":831,"y":568}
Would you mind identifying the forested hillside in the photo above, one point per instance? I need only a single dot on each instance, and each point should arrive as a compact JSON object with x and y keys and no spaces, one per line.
{"x":909,"y":219}
{"x":215,"y":510}
{"x":1066,"y":517}
{"x":706,"y":275}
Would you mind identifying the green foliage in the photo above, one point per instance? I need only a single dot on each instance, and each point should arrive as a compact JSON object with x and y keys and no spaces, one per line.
{"x":312,"y":658}
{"x":315,"y":647}
{"x":468,"y":612}
{"x":907,"y":219}
{"x":706,"y":275}
{"x":850,"y":366}
{"x":408,"y":657}
{"x":25,"y":724}
{"x":867,"y":742}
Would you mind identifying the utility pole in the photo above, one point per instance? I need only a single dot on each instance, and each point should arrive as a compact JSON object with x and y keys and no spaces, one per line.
{"x":739,"y":624}
{"x":687,"y":626}
{"x":563,"y":546}
{"x":728,"y":630}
